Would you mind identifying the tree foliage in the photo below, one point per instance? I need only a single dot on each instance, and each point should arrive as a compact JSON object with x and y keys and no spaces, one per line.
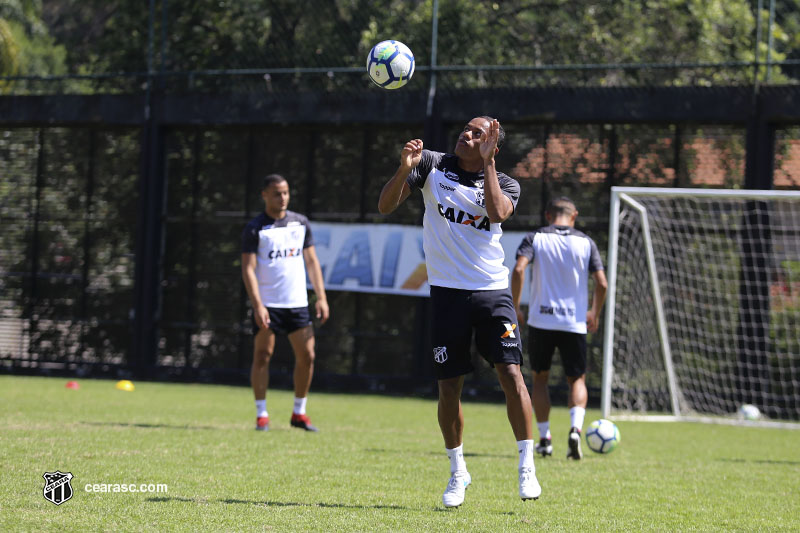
{"x":102,"y":36}
{"x":26,"y":45}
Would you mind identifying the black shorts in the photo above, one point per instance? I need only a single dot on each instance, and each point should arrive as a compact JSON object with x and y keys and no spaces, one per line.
{"x":457,"y":313}
{"x":542,"y":343}
{"x":283,"y":321}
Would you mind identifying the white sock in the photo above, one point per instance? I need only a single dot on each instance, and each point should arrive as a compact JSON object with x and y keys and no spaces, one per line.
{"x":456,"y":456}
{"x":300,"y":406}
{"x":576,"y":415}
{"x":544,"y":429}
{"x":261,"y":408}
{"x":525,"y":448}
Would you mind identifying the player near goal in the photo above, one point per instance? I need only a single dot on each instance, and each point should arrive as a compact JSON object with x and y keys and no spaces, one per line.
{"x":562,"y":260}
{"x":277,"y":252}
{"x":466,"y":199}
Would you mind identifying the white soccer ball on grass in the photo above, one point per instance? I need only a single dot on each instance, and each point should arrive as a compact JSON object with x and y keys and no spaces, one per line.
{"x":602,"y":436}
{"x":749,"y":412}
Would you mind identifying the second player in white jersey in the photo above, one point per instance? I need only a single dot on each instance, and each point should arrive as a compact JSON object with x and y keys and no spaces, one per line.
{"x":559,"y":300}
{"x":280,"y":265}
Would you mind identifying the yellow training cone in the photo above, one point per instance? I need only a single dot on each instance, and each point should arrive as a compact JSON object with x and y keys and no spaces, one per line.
{"x":125,"y":385}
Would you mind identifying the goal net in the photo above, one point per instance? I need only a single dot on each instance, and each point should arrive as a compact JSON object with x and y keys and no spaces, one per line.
{"x":703,"y":309}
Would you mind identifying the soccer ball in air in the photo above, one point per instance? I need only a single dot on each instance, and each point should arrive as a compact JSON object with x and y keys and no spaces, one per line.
{"x":390,"y":64}
{"x":749,"y":412}
{"x":602,"y":436}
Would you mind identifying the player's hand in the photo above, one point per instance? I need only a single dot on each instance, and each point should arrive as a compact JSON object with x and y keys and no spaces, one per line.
{"x":411,"y":154}
{"x":488,"y":146}
{"x":323,"y":312}
{"x":591,"y":321}
{"x":520,"y":316}
{"x":262,"y":317}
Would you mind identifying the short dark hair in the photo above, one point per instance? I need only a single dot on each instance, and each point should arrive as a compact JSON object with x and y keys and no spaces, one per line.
{"x":501,"y":135}
{"x":270,"y":179}
{"x":560,"y":206}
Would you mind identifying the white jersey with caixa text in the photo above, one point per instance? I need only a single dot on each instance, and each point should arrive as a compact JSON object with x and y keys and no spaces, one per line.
{"x":462,"y":248}
{"x":562,"y":258}
{"x":280,"y":267}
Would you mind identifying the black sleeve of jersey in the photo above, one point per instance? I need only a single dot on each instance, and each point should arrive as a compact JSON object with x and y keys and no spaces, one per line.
{"x":250,"y":239}
{"x":595,"y":261}
{"x":309,"y":240}
{"x":510,"y":188}
{"x":419,"y":174}
{"x":526,"y":247}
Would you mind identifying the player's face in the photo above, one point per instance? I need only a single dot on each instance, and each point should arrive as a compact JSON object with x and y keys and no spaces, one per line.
{"x":276,"y":197}
{"x":469,"y":139}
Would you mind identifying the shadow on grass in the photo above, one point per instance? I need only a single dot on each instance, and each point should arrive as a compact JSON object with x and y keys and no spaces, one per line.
{"x":146,"y":426}
{"x":269,"y":503}
{"x":164,"y":499}
{"x":439,"y":454}
{"x":439,"y":509}
{"x":761,"y":461}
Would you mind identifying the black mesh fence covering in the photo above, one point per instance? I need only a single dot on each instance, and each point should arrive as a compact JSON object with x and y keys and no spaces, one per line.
{"x":71,"y":215}
{"x":231,"y":91}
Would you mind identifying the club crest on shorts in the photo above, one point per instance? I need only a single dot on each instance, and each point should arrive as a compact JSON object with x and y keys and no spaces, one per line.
{"x":440,"y":354}
{"x":57,"y":488}
{"x":509,"y":334}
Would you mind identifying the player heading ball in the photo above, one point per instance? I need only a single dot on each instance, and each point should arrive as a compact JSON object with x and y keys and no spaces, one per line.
{"x":466,"y":200}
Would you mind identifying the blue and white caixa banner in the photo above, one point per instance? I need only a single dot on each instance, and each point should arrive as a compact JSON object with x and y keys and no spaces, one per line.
{"x":383,"y":258}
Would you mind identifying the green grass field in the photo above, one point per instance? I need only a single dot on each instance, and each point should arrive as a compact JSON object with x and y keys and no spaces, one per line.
{"x":378,"y":464}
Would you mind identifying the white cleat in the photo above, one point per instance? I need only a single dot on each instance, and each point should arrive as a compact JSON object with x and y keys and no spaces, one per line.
{"x":454,"y":493}
{"x":529,"y":488}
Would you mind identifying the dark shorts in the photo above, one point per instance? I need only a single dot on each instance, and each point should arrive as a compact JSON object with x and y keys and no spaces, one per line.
{"x":457,"y":314}
{"x":542,"y":343}
{"x":283,"y":321}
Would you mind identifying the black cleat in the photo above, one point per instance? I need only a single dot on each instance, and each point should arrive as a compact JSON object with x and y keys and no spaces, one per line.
{"x":545,"y":447}
{"x":574,"y":445}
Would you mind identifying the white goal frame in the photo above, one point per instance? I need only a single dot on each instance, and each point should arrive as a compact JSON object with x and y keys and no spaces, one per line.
{"x":628,"y":196}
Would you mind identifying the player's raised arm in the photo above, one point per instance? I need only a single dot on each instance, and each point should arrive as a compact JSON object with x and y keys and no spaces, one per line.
{"x":396,"y":189}
{"x":498,"y":207}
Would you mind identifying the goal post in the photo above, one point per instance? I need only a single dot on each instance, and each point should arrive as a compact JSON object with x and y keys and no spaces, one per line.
{"x":703,"y":305}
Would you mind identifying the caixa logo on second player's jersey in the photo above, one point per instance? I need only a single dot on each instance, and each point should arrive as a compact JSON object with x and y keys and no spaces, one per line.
{"x":289,"y":252}
{"x":467,"y":219}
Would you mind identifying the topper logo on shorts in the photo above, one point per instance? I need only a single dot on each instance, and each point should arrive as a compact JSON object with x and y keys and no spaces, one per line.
{"x":467,"y":219}
{"x":509,"y":334}
{"x":277,"y":254}
{"x":440,"y":354}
